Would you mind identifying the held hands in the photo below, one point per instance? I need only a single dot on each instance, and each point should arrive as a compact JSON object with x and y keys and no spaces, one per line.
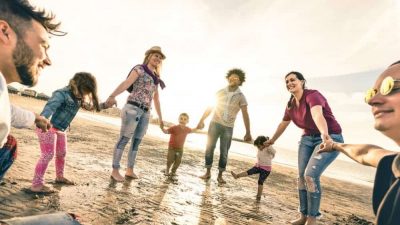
{"x":200,"y":125}
{"x":247,"y":137}
{"x":110,"y":102}
{"x":269,"y":143}
{"x":42,"y":123}
{"x":327,"y":145}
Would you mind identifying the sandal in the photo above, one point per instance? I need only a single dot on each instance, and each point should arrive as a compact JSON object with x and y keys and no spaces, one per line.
{"x":64,"y":181}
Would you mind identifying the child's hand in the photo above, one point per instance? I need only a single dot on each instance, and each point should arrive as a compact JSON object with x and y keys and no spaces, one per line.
{"x":43,"y":123}
{"x":326,"y":146}
{"x":268,"y":143}
{"x":200,"y":125}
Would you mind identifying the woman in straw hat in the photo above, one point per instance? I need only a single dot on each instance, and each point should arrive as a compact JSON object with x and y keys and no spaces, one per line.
{"x":142,"y":83}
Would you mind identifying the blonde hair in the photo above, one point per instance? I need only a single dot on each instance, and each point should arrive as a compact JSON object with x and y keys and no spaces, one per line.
{"x":158,"y":68}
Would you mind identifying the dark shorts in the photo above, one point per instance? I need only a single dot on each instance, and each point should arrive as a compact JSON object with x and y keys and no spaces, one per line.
{"x":263,"y":174}
{"x":8,"y":153}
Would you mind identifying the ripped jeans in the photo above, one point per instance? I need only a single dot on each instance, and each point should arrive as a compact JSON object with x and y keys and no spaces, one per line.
{"x":134,"y":123}
{"x":311,"y":165}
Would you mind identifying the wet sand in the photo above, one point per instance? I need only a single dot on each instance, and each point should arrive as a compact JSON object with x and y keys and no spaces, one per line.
{"x":156,"y":199}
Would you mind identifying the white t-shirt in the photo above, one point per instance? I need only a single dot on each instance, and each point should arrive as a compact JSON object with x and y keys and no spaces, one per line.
{"x":11,"y":115}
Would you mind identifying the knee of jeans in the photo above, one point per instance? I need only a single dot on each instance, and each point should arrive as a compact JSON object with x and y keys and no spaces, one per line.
{"x":311,"y":184}
{"x":301,"y":183}
{"x":122,"y":142}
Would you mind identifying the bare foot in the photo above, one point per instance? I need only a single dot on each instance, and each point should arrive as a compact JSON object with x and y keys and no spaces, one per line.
{"x":258,"y":198}
{"x":221,"y":180}
{"x":311,"y":220}
{"x":206,"y":176}
{"x":116,"y":176}
{"x":300,"y":221}
{"x":131,"y":176}
{"x":234,"y":175}
{"x":41,"y":189}
{"x":65,"y":181}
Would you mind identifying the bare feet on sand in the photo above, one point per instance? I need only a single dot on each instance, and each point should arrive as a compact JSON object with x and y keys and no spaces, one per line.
{"x":129,"y":174}
{"x":234,"y":175}
{"x":299,"y":221}
{"x":41,"y":189}
{"x":64,"y":181}
{"x":221,"y":180}
{"x":311,"y":221}
{"x":206,"y":176}
{"x":116,"y":176}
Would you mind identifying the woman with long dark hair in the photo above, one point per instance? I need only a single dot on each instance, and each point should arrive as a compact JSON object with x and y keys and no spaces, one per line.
{"x":310,"y":111}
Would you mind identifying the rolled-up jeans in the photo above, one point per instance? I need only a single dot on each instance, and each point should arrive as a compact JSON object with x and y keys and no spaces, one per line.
{"x":134,"y":123}
{"x":224,"y":133}
{"x":311,"y":165}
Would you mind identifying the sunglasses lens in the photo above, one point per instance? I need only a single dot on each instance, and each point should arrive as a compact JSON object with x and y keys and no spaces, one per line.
{"x":369,"y":94}
{"x":387,"y":86}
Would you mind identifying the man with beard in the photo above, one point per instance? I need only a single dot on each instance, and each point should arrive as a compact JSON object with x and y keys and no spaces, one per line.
{"x":24,"y":36}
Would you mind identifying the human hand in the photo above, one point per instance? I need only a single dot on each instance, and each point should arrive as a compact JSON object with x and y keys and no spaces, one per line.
{"x":110,"y":102}
{"x":269,"y":143}
{"x":200,"y":125}
{"x":42,"y":123}
{"x":247,"y":137}
{"x":327,"y":146}
{"x":162,"y":125}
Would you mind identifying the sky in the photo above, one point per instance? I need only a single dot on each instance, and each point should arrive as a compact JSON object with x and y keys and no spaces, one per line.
{"x":330,"y":42}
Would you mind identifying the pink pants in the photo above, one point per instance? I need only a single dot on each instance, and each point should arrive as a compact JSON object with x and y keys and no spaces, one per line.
{"x":50,"y":142}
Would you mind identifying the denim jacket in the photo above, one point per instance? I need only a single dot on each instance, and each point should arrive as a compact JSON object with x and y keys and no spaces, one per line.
{"x":62,"y":108}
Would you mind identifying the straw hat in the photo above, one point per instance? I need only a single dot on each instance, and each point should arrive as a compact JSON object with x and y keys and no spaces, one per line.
{"x":155,"y":49}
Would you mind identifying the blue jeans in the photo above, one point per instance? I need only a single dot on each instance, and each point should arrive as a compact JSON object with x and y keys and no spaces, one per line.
{"x":134,"y":126}
{"x":224,"y":134}
{"x":311,"y":166}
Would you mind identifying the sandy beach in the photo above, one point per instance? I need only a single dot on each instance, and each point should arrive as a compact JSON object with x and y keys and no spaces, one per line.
{"x":156,"y":199}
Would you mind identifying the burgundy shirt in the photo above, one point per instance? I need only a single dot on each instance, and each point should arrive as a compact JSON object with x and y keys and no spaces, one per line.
{"x":301,"y":116}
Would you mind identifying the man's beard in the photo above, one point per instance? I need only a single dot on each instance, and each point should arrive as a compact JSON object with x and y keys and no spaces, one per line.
{"x":23,"y":61}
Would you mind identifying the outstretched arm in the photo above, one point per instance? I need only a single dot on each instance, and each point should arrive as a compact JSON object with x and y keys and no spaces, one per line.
{"x":246,"y":120}
{"x":279,"y":131}
{"x":133,"y":75}
{"x":320,"y":121}
{"x":365,"y":154}
{"x":206,"y":113}
{"x":157,"y":105}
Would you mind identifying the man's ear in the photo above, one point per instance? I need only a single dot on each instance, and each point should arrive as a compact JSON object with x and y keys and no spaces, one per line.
{"x":5,"y":31}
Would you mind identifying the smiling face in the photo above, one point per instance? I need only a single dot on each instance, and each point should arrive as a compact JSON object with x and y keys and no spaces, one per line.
{"x":293,"y":84}
{"x":183,"y":120}
{"x":386,"y":108}
{"x":234,"y":80}
{"x":155,"y":59}
{"x":30,"y":54}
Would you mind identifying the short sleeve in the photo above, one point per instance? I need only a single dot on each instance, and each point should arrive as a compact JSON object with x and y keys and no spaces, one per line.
{"x":315,"y":98}
{"x":286,"y":116}
{"x":139,"y":69}
{"x":243,"y":101}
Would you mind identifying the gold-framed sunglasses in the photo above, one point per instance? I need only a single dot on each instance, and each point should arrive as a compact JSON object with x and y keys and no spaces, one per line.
{"x":388,"y":85}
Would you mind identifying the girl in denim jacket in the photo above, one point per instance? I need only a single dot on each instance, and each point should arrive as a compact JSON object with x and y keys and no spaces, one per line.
{"x":62,"y":108}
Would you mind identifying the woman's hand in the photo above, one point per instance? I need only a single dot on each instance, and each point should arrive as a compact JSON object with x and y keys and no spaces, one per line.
{"x":110,"y":102}
{"x":268,"y":143}
{"x":327,"y":146}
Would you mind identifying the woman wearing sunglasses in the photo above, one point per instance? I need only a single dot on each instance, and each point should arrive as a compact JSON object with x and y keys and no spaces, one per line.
{"x":384,"y":100}
{"x":310,"y":111}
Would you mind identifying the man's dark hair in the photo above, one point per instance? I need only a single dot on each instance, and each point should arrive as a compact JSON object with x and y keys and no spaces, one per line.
{"x":260,"y":140}
{"x":239,"y":72}
{"x":19,"y":13}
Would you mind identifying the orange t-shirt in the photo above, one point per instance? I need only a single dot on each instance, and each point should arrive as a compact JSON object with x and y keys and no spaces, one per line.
{"x":178,"y":136}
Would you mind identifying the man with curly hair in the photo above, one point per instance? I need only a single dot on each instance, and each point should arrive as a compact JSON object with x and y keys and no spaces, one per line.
{"x":24,"y":40}
{"x":229,"y":101}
